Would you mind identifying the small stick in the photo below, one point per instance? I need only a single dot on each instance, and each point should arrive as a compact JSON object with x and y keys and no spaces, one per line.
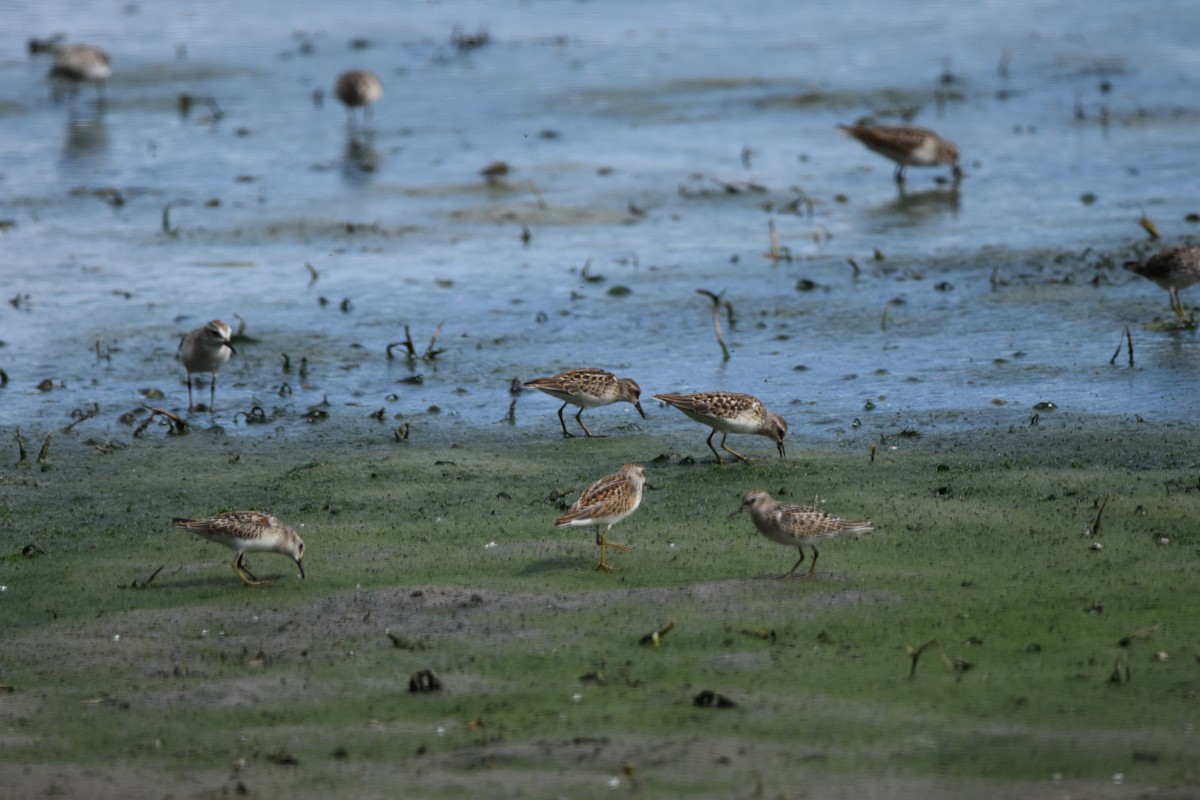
{"x":716,"y":318}
{"x":177,"y":422}
{"x":45,"y":451}
{"x":916,"y":654}
{"x":312,"y":272}
{"x":883,"y":320}
{"x":20,"y":447}
{"x":430,"y":353}
{"x":91,"y":413}
{"x":1094,"y":529}
{"x":146,"y":583}
{"x":1129,"y":342}
{"x":654,"y":637}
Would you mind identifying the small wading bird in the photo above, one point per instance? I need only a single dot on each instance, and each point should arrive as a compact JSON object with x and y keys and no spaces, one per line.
{"x":730,"y":412}
{"x":248,"y":532}
{"x":77,"y":64}
{"x":358,"y":88}
{"x":908,"y":146}
{"x":605,"y":503}
{"x":205,"y":350}
{"x":1174,"y":270}
{"x":797,"y":526}
{"x":588,"y":388}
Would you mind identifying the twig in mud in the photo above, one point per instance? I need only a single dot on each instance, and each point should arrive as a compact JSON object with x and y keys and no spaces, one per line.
{"x":1094,"y":528}
{"x":883,"y":320}
{"x":654,"y":637}
{"x":166,"y":223}
{"x":44,"y":453}
{"x":716,"y":318}
{"x":178,"y":424}
{"x":20,"y":447}
{"x":915,"y":654}
{"x":776,"y":253}
{"x":430,"y":352}
{"x":537,"y":193}
{"x":312,"y":273}
{"x":1128,"y":340}
{"x":146,"y":583}
{"x":854,"y":266}
{"x":1149,"y":226}
{"x":91,"y":413}
{"x":241,"y":331}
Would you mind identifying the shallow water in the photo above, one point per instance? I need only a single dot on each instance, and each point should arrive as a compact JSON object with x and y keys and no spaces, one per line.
{"x":653,"y":143}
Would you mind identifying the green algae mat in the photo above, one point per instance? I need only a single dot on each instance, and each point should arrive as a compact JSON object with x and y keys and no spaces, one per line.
{"x":1023,"y":622}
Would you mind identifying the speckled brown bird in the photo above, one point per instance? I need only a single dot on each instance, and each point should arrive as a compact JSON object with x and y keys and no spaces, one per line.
{"x":730,"y":412}
{"x":77,"y":64}
{"x":248,"y":532}
{"x":605,"y":503}
{"x":358,"y":88}
{"x":908,"y":146}
{"x":1174,"y":270}
{"x":797,"y":526}
{"x":588,"y":388}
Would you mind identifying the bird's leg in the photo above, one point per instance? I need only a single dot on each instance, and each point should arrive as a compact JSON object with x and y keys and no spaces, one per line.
{"x":727,"y":449}
{"x":789,"y":573}
{"x":566,"y":433}
{"x":600,"y":540}
{"x":899,"y":174}
{"x":1177,"y":307}
{"x":710,"y":445}
{"x":212,"y":394}
{"x":191,"y":406}
{"x":239,"y":566}
{"x":813,"y":565}
{"x":579,"y":419}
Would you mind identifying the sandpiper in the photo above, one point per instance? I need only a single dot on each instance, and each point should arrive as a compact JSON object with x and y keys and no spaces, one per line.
{"x":1174,"y":270}
{"x":908,"y":146}
{"x":358,"y":88}
{"x":588,"y":388}
{"x":605,"y":503}
{"x":248,"y":532}
{"x":797,"y":526}
{"x":76,"y":64}
{"x":730,"y":412}
{"x":205,"y":350}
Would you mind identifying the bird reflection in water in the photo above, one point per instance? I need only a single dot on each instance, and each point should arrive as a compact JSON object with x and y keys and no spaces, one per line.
{"x":361,"y":159}
{"x":85,"y":139}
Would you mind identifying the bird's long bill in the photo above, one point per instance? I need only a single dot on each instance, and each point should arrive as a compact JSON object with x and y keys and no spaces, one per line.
{"x":301,"y":566}
{"x":638,"y":406}
{"x":230,"y":346}
{"x":781,"y":453}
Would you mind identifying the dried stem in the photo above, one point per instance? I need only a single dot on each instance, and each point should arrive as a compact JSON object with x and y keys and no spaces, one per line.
{"x":716,"y":318}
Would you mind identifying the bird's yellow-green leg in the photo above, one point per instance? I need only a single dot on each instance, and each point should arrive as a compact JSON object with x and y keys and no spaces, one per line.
{"x":812,"y":566}
{"x":579,"y":419}
{"x":246,"y":575}
{"x":602,"y":541}
{"x":730,"y":450}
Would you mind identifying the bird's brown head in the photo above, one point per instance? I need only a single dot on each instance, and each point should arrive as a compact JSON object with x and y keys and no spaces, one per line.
{"x":219,"y":334}
{"x":631,"y":393}
{"x":776,"y":427}
{"x":752,"y":499}
{"x":296,"y":548}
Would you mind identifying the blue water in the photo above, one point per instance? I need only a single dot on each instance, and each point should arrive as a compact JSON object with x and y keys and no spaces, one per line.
{"x":624,"y":126}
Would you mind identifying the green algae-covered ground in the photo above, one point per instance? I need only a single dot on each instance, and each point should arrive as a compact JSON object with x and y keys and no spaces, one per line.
{"x":1063,"y":663}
